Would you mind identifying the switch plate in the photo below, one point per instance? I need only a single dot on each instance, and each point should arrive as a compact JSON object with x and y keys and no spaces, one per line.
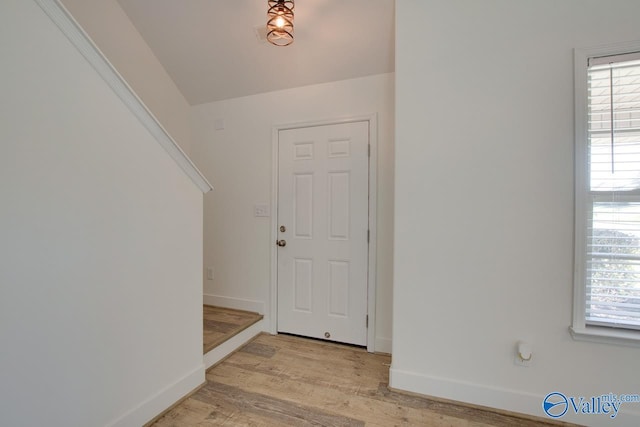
{"x":209,"y":273}
{"x":261,"y":210}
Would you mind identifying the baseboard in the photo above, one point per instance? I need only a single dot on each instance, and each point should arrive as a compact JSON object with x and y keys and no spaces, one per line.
{"x":232,"y":344}
{"x":236,"y":303}
{"x":161,"y":400}
{"x":501,"y":399}
{"x":383,"y":345}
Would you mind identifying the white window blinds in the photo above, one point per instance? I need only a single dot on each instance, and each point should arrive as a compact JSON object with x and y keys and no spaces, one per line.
{"x":613,"y":220}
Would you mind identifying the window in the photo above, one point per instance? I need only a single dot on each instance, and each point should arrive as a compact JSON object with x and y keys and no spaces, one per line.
{"x":607,"y":279}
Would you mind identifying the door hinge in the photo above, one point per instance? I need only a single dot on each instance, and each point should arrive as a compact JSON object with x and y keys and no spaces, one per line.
{"x":369,"y":150}
{"x":367,"y":322}
{"x":368,"y":235}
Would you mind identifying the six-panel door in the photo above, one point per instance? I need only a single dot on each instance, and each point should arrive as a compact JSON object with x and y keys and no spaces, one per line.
{"x":323,"y":207}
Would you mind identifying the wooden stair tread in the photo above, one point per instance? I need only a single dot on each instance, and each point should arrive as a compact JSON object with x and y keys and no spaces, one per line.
{"x":221,"y":324}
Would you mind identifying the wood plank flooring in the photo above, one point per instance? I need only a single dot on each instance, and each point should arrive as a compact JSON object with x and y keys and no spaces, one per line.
{"x":290,"y":381}
{"x":220,"y":324}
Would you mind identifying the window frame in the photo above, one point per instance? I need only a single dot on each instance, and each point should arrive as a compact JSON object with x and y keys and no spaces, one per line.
{"x":579,"y":328}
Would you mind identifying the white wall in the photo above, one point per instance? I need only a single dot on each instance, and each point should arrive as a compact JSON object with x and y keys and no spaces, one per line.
{"x":484,"y":202}
{"x":100,"y":244}
{"x":238,"y":160}
{"x":113,"y":32}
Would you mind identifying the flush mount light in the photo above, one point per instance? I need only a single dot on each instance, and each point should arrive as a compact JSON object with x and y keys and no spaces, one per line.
{"x":280,"y":22}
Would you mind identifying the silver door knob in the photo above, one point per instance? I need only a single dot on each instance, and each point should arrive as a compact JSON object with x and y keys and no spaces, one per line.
{"x":282,"y":243}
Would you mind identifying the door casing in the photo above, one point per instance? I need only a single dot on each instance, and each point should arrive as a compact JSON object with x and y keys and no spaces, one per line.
{"x":373,"y":162}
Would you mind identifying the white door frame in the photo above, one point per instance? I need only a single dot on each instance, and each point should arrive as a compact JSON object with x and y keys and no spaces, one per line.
{"x":372,"y":120}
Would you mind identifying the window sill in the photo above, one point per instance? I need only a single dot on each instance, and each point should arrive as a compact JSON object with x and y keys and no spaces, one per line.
{"x":606,"y":335}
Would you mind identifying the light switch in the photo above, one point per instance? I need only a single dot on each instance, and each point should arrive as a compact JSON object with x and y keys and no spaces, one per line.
{"x":261,"y":210}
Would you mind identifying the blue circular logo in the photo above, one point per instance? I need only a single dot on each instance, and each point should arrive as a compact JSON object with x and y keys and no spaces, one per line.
{"x":555,"y":405}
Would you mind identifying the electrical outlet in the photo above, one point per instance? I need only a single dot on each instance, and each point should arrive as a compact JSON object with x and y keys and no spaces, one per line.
{"x":209,"y":273}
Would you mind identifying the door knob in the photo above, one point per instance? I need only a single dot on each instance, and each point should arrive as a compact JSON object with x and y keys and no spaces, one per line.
{"x":282,"y":243}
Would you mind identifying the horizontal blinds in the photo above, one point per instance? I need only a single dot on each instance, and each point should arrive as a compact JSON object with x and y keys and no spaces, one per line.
{"x":612,"y":59}
{"x":613,"y":235}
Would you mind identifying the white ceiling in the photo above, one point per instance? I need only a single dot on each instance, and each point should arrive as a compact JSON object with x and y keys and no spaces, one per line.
{"x":211,"y":51}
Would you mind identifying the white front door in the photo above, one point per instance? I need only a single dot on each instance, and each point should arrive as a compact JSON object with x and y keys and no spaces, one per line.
{"x":323,"y":196}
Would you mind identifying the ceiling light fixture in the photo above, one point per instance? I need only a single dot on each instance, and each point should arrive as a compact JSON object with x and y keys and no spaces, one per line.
{"x":280,"y":22}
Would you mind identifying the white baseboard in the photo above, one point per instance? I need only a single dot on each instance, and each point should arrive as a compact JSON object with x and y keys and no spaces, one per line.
{"x":235,"y":303}
{"x":383,"y":345}
{"x":161,"y":400}
{"x":166,"y":397}
{"x":503,"y":399}
{"x":232,"y":344}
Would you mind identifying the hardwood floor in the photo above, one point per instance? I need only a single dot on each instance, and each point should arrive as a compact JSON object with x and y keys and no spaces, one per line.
{"x":290,"y":381}
{"x":220,"y":324}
